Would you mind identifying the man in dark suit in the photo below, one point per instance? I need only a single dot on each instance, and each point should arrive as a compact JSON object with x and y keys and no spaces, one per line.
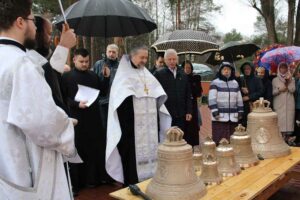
{"x":176,"y":85}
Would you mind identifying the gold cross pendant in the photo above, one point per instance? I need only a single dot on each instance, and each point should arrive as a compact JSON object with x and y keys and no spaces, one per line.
{"x":146,"y":90}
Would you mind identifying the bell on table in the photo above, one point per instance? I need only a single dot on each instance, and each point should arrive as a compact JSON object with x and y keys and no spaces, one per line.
{"x":175,"y":177}
{"x":263,"y":128}
{"x":227,"y":165}
{"x":197,"y":159}
{"x":241,"y":143}
{"x":210,"y":174}
{"x":208,"y":147}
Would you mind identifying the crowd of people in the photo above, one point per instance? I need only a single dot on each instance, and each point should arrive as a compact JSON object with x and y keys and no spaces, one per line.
{"x":231,"y":98}
{"x":115,"y":138}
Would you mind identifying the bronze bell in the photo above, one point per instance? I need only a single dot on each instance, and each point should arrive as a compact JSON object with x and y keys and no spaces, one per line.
{"x":241,"y":143}
{"x":210,"y":174}
{"x":208,"y":147}
{"x":263,"y":128}
{"x":175,"y":177}
{"x":227,"y":165}
{"x":197,"y":159}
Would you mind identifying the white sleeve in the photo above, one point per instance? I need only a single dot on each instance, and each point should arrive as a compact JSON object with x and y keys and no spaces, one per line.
{"x":32,"y":109}
{"x":59,"y":58}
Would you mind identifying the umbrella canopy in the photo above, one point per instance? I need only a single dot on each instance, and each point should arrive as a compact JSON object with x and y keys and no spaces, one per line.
{"x":232,"y":51}
{"x":107,"y":18}
{"x":186,"y":42}
{"x":284,"y":54}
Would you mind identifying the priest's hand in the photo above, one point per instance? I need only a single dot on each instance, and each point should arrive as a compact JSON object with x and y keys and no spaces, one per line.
{"x":67,"y":38}
{"x":106,"y":71}
{"x":188,"y":117}
{"x":82,"y":104}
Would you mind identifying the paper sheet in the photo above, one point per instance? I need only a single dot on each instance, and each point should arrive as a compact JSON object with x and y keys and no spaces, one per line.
{"x":86,"y":93}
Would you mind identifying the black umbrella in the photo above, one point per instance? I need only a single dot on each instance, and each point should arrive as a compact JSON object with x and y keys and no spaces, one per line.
{"x":186,"y":42}
{"x":232,"y":51}
{"x":107,"y":18}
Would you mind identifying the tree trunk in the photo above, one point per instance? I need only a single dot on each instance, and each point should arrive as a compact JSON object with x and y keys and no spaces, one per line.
{"x":297,"y":32}
{"x":268,"y":13}
{"x":120,"y":42}
{"x":156,"y":14}
{"x":178,"y":24}
{"x":92,"y":59}
{"x":291,"y":21}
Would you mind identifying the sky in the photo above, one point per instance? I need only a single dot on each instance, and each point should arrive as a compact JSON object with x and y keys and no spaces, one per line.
{"x":235,"y":14}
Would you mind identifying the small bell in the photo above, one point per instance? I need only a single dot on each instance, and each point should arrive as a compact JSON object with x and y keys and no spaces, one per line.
{"x":175,"y":177}
{"x":241,"y":143}
{"x":208,"y":147}
{"x":227,"y":165}
{"x":197,"y":159}
{"x":210,"y":174}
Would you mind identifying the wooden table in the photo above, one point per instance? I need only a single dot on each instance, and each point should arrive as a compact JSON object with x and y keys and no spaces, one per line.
{"x":258,"y":182}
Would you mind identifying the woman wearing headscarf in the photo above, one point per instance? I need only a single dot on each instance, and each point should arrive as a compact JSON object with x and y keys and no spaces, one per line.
{"x":263,"y":74}
{"x":225,"y":102}
{"x":251,"y":88}
{"x":193,"y":126}
{"x":283,"y":100}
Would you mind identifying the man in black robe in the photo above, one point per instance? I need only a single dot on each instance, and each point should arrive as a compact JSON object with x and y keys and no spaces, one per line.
{"x":89,"y":134}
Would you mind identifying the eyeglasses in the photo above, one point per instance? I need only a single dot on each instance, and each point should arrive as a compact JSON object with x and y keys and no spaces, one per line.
{"x":32,"y":19}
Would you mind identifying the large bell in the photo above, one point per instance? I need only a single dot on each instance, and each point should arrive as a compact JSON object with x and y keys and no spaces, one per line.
{"x":263,"y":127}
{"x":210,"y":174}
{"x":208,"y":147}
{"x":227,"y":165}
{"x":175,"y":177}
{"x":241,"y":143}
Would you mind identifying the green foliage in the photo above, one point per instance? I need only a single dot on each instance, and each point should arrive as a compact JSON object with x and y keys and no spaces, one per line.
{"x":232,"y":36}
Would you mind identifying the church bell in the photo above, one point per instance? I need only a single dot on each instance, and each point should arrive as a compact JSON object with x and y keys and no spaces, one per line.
{"x":210,"y":174}
{"x":264,"y":130}
{"x":208,"y":147}
{"x":227,"y":165}
{"x":241,"y":143}
{"x":175,"y":177}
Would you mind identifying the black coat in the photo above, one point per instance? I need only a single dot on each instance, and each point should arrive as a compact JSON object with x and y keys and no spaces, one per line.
{"x":178,"y":89}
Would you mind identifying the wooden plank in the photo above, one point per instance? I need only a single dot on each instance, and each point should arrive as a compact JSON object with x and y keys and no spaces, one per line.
{"x":266,"y":174}
{"x":247,"y":185}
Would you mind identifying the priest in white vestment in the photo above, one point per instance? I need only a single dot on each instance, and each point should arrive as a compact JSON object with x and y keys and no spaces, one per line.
{"x":34,"y":132}
{"x":136,"y":100}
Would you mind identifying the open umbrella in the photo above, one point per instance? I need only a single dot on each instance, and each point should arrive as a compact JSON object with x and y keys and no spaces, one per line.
{"x":107,"y":18}
{"x":186,"y":42}
{"x":232,"y":51}
{"x":284,"y":54}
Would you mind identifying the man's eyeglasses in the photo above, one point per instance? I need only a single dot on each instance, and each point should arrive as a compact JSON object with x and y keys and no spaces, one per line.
{"x":32,"y":19}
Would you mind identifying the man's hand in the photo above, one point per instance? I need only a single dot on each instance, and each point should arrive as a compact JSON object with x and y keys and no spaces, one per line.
{"x":245,"y":98}
{"x":188,"y":117}
{"x":82,"y":104}
{"x":74,"y":121}
{"x":245,"y":90}
{"x":106,"y":71}
{"x":67,"y":38}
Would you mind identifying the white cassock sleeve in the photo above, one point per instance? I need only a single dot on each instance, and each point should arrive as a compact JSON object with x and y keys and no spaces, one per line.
{"x":33,"y":110}
{"x":59,"y":58}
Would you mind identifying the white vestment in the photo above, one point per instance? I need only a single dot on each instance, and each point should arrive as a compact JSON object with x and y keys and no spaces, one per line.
{"x":129,"y":81}
{"x":34,"y":132}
